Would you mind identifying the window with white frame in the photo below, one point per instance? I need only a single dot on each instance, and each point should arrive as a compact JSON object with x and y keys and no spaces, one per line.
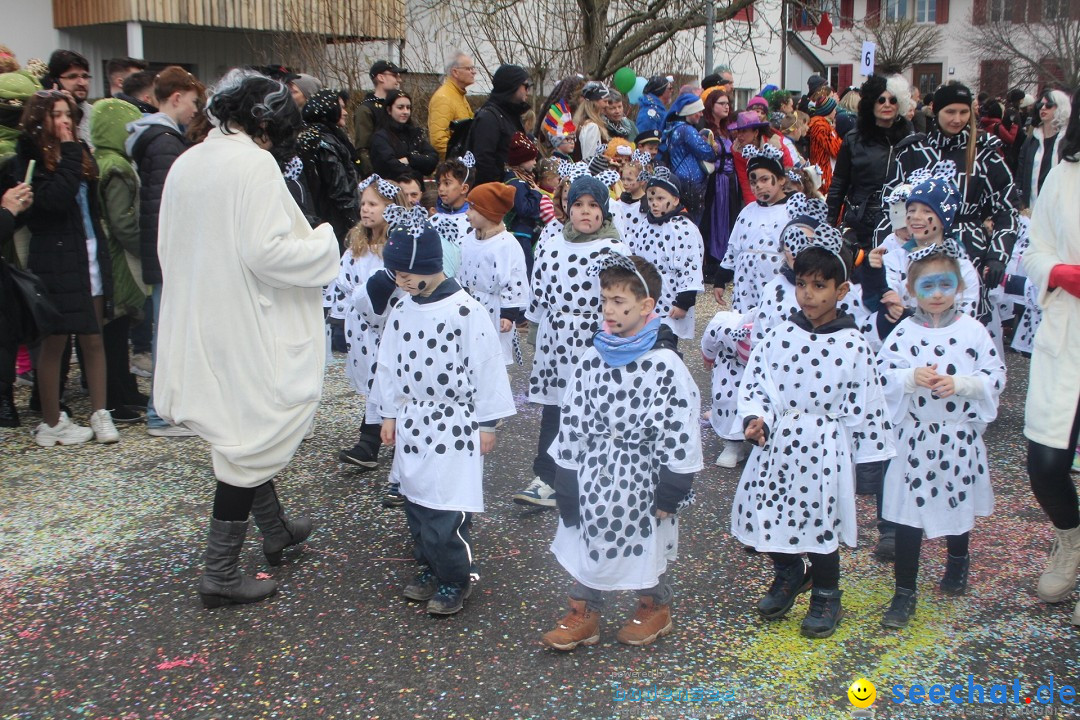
{"x":894,"y":10}
{"x":925,"y":11}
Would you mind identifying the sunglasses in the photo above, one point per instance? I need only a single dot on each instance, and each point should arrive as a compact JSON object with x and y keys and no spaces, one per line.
{"x":528,"y":85}
{"x":890,"y":100}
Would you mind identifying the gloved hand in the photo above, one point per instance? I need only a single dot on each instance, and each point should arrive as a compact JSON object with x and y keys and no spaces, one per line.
{"x":1066,"y":277}
{"x":993,"y":274}
{"x":380,"y":287}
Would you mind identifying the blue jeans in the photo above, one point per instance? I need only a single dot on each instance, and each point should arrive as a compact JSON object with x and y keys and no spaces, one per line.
{"x":153,"y":420}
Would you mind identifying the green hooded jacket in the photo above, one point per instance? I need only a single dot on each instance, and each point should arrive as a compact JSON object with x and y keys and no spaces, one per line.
{"x":118,"y":188}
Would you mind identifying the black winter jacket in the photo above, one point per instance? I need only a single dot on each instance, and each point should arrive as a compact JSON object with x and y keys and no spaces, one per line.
{"x":331,"y":177}
{"x":58,"y":239}
{"x":396,"y":140}
{"x":154,"y":152}
{"x":494,"y":126}
{"x":865,"y":162}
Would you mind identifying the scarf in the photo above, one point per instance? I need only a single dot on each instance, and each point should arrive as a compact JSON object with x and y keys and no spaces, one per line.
{"x":678,"y":210}
{"x":446,"y":210}
{"x":607,"y":230}
{"x":617,"y":351}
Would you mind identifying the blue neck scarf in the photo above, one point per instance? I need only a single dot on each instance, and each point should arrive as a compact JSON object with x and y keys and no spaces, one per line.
{"x":618,"y":351}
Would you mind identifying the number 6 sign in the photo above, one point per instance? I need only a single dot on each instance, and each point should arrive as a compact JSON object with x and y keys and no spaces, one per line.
{"x":866,"y":67}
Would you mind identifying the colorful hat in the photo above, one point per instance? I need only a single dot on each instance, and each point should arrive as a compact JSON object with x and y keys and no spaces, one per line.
{"x":748,"y":120}
{"x":558,"y":124}
{"x":935,"y":189}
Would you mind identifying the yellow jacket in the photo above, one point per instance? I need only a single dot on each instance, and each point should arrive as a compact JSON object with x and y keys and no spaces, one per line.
{"x":447,"y":105}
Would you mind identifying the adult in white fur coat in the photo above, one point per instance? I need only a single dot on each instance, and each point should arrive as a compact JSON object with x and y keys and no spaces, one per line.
{"x":1052,"y":414}
{"x":240,"y":350}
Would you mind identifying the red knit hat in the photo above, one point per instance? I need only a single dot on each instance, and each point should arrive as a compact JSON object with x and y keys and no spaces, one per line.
{"x":522,"y":150}
{"x":492,"y":200}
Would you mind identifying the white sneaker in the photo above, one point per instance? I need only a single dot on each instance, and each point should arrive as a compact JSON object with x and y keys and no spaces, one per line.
{"x":735,"y":451}
{"x":102,"y":425}
{"x":170,"y":431}
{"x":64,"y":432}
{"x":538,"y":493}
{"x":142,"y":365}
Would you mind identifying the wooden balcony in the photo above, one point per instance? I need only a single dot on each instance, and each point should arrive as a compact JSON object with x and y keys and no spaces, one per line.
{"x":334,"y":19}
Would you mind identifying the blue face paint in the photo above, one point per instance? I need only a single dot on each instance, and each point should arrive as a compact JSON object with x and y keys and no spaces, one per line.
{"x":929,"y":285}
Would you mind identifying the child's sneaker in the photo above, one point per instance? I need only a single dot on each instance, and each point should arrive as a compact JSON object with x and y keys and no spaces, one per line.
{"x":955,"y":579}
{"x":64,"y":432}
{"x":650,"y":621}
{"x":824,"y":614}
{"x":102,"y":424}
{"x":735,"y":451}
{"x":886,"y":544}
{"x":538,"y":493}
{"x":901,"y":610}
{"x":423,"y":586}
{"x":364,"y":454}
{"x":449,"y":598}
{"x":789,"y":583}
{"x":393,"y":498}
{"x":580,"y":626}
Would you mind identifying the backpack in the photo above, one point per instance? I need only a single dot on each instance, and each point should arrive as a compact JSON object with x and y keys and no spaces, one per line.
{"x":460,"y":135}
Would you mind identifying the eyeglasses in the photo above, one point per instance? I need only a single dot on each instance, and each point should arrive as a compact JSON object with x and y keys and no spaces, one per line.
{"x":723,"y":102}
{"x":890,"y":100}
{"x":76,"y":76}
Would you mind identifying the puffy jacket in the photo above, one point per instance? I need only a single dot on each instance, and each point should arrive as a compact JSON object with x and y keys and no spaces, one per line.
{"x":686,"y":151}
{"x":331,"y":177}
{"x":57,"y":236}
{"x":447,"y":104}
{"x":865,"y":162}
{"x":651,"y":114}
{"x":397,"y":140}
{"x":154,"y":144}
{"x":494,"y":126}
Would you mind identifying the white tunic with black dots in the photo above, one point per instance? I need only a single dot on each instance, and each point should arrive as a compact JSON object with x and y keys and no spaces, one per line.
{"x":778,"y":303}
{"x":940,"y":479}
{"x":821,"y":399}
{"x":440,"y":373}
{"x":552,"y":230}
{"x":493,"y":272}
{"x":626,"y":216}
{"x":1024,"y":337}
{"x":566,"y":306}
{"x":619,"y":427}
{"x":719,"y":347}
{"x":363,"y":326}
{"x":754,"y":251}
{"x":676,"y":249}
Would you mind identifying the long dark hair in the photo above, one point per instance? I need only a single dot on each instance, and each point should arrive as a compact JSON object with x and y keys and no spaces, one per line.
{"x":1070,"y":145}
{"x":33,"y":124}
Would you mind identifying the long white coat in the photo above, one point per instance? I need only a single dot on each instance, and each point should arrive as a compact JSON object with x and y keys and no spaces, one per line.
{"x":1054,"y":385}
{"x":240,"y":344}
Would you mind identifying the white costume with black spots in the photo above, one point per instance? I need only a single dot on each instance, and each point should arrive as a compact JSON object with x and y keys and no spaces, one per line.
{"x":626,"y":215}
{"x":552,"y":230}
{"x":719,"y":345}
{"x":820,"y":397}
{"x":363,"y":326}
{"x":493,"y":272}
{"x":619,"y":427}
{"x":940,"y":479}
{"x":896,"y":267}
{"x":1024,"y":337}
{"x":676,"y":249}
{"x":778,"y":303}
{"x":754,"y":253}
{"x":440,"y":373}
{"x":566,"y":306}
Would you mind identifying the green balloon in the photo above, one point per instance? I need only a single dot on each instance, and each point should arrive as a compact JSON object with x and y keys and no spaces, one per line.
{"x":625,"y":79}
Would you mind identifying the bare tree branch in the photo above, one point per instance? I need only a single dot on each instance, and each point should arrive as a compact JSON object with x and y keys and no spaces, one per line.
{"x":900,"y":43}
{"x":1030,"y":49}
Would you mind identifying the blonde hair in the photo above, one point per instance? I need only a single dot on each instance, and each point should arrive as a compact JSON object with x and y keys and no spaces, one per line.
{"x":589,"y":110}
{"x":362,"y":240}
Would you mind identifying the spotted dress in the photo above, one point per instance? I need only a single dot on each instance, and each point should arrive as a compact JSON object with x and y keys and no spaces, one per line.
{"x":493,"y":272}
{"x":626,"y":215}
{"x":820,"y":397}
{"x":778,"y":303}
{"x":940,"y":478}
{"x":754,"y":253}
{"x":619,"y":427}
{"x":675,"y":248}
{"x":440,"y":373}
{"x":566,"y":306}
{"x":719,"y":345}
{"x":363,"y":326}
{"x":453,"y":228}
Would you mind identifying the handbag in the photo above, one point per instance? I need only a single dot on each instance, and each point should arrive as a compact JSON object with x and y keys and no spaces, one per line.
{"x":31,"y":314}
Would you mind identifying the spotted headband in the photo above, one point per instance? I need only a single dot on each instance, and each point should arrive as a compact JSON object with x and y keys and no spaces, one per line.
{"x":608,"y":259}
{"x":608,"y":177}
{"x":947,"y":247}
{"x":942,"y":170}
{"x":641,"y":158}
{"x":796,"y":176}
{"x":386,"y":188}
{"x":798,"y":204}
{"x":766,"y":151}
{"x":412,"y":220}
{"x":572,"y":171}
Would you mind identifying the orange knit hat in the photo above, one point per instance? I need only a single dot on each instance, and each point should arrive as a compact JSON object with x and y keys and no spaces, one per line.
{"x":492,"y":200}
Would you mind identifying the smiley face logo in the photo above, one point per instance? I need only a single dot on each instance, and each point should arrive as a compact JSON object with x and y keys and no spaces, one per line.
{"x":862,"y":693}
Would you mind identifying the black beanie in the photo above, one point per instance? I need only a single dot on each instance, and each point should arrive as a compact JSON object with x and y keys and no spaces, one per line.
{"x":656,"y":85}
{"x":951,"y":94}
{"x":419,"y":253}
{"x":507,"y":79}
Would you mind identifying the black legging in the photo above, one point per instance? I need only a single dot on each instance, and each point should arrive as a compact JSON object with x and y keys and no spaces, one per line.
{"x":1049,"y":472}
{"x":824,"y":569}
{"x":909,"y":546}
{"x":233,"y":503}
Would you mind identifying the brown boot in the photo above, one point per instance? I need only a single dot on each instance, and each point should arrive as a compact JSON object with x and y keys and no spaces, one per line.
{"x":651,"y":621}
{"x":581,"y":626}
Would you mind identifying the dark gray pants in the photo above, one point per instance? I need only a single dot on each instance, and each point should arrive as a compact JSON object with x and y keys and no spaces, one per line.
{"x":596,"y":599}
{"x":441,"y":541}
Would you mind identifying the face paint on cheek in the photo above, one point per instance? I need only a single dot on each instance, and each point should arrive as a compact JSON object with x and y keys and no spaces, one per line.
{"x":930,"y":285}
{"x":421,"y":285}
